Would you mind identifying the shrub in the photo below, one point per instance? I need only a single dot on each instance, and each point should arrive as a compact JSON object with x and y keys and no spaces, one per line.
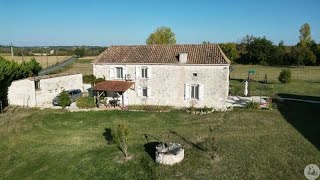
{"x":89,"y":79}
{"x":86,"y":102}
{"x":121,"y":138}
{"x":99,"y":80}
{"x":64,"y":99}
{"x":252,"y":105}
{"x":285,"y":76}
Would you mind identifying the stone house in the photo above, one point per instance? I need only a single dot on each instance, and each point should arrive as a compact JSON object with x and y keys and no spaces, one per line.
{"x":39,"y":91}
{"x":174,"y":75}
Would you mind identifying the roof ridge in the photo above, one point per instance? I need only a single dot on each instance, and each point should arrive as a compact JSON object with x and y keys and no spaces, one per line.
{"x":163,"y":53}
{"x":163,"y":45}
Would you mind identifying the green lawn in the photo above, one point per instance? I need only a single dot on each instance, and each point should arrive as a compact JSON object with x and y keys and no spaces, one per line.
{"x":251,"y":144}
{"x":305,"y":81}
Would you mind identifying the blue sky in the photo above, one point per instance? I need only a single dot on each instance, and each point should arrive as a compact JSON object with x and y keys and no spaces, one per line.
{"x":122,"y":22}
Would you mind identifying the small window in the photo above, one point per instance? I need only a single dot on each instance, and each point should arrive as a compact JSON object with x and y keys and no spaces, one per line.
{"x":195,"y":74}
{"x":144,"y":72}
{"x":37,"y":85}
{"x":119,"y":72}
{"x":195,"y":91}
{"x":145,"y":92}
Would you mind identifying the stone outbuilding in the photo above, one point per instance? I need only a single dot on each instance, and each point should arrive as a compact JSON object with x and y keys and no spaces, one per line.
{"x":173,"y":75}
{"x":39,"y":91}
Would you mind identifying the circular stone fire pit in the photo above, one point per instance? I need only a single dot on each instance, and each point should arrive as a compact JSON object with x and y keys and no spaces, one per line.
{"x":169,"y":154}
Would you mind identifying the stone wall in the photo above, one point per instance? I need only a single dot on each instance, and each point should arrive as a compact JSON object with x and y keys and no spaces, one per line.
{"x":50,"y":88}
{"x":167,"y":84}
{"x":23,"y":92}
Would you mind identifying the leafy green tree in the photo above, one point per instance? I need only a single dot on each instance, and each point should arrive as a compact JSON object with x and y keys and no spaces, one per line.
{"x":162,"y":35}
{"x":80,"y":51}
{"x":230,"y":50}
{"x":315,"y":48}
{"x":302,"y":55}
{"x":305,"y":34}
{"x":206,"y":42}
{"x":257,"y":50}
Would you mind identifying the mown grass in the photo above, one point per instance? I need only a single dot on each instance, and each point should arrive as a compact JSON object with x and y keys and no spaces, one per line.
{"x":250,"y":144}
{"x":305,"y":81}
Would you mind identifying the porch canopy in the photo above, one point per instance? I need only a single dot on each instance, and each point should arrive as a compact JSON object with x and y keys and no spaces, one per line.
{"x":111,"y":86}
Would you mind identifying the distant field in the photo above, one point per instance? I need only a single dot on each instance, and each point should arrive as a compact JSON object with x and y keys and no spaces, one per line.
{"x":305,"y":81}
{"x":81,"y":65}
{"x":298,"y":73}
{"x":45,"y":61}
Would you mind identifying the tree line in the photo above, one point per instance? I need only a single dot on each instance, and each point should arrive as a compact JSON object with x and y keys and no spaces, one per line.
{"x":258,"y":50}
{"x":58,"y":50}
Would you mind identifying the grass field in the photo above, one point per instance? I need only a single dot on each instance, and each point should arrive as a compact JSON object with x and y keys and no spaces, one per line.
{"x":305,"y":81}
{"x":45,"y":61}
{"x":248,"y":144}
{"x":82,"y":65}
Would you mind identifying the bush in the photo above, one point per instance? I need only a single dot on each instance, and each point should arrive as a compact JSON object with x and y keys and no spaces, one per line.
{"x":86,"y":102}
{"x":89,"y":79}
{"x":285,"y":76}
{"x":121,"y":138}
{"x":252,"y":105}
{"x":99,"y":80}
{"x":64,"y":99}
{"x":150,"y":108}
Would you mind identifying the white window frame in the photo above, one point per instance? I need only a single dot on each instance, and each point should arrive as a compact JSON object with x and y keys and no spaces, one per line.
{"x":190,"y":94}
{"x":194,"y":91}
{"x":116,"y":72}
{"x":144,"y":72}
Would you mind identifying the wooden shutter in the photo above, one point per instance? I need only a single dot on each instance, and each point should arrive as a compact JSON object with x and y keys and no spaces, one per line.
{"x":201,"y":92}
{"x":124,"y":73}
{"x":138,"y":72}
{"x":112,"y":72}
{"x":149,"y":72}
{"x":186,"y":91}
{"x":139,"y":91}
{"x":148,"y":92}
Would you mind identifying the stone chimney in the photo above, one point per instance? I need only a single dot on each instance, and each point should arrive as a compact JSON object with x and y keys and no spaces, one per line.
{"x":183,"y":57}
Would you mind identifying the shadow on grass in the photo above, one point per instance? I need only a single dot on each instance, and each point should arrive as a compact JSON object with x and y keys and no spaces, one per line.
{"x":303,"y":116}
{"x":237,"y":79}
{"x":108,"y":135}
{"x":188,"y":141}
{"x":150,"y":146}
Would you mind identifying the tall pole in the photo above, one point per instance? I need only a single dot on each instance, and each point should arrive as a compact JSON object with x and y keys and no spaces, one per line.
{"x":11,"y":50}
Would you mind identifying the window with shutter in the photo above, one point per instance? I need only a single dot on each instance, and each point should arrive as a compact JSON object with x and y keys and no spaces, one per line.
{"x":138,"y":72}
{"x":149,"y":72}
{"x":187,"y":91}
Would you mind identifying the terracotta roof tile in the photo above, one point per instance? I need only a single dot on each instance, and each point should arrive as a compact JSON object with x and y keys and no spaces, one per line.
{"x":113,"y":86}
{"x":197,"y":54}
